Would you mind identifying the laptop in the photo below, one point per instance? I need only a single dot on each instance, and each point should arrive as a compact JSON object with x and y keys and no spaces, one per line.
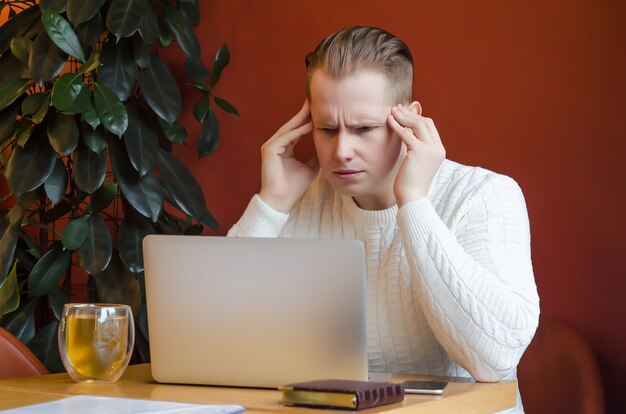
{"x":255,"y":312}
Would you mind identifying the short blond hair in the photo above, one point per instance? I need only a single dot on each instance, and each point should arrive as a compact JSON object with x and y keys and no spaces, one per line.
{"x":364,"y":47}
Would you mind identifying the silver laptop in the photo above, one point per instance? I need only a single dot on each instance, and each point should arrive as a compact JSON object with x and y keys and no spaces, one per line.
{"x":254,"y":312}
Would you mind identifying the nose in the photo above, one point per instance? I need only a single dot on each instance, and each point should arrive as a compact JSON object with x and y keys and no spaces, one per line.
{"x":344,"y":150}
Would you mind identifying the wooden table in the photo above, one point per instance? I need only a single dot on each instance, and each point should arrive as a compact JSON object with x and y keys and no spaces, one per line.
{"x":137,"y":382}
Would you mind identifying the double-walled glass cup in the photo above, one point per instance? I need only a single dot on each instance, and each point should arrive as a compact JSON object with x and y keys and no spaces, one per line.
{"x":96,"y":340}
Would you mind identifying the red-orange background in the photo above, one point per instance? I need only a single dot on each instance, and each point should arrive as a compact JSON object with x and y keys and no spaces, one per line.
{"x":532,"y":89}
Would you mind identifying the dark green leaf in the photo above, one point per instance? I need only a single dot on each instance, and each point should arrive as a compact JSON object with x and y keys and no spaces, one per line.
{"x":45,"y":346}
{"x":9,"y":292}
{"x":160,"y":90}
{"x":183,"y":187}
{"x":111,"y":111}
{"x":66,"y":89}
{"x":92,"y":63}
{"x":57,"y":300}
{"x":7,"y":121}
{"x":140,"y":140}
{"x":165,"y":35}
{"x":141,"y":52}
{"x":17,"y":26}
{"x":32,"y":103}
{"x":58,"y":211}
{"x":29,"y":167}
{"x":63,"y":133}
{"x":21,"y":323}
{"x":209,"y":135}
{"x":222,"y":58}
{"x":46,"y":59}
{"x":149,"y":27}
{"x":25,"y":256}
{"x":20,"y":47}
{"x":132,"y":231}
{"x":89,"y":112}
{"x":201,"y":108}
{"x":196,"y":70}
{"x":11,"y":67}
{"x":12,"y":89}
{"x":42,"y":111}
{"x":89,"y":168}
{"x":142,"y":320}
{"x":95,"y":253}
{"x":56,"y":183}
{"x":89,"y":32}
{"x":118,"y":68}
{"x":117,"y":285}
{"x":93,"y":138}
{"x":226,"y":106}
{"x":48,"y":270}
{"x":23,"y":131}
{"x":80,"y":11}
{"x":183,"y":33}
{"x":143,"y":193}
{"x":62,"y":34}
{"x":102,"y":197}
{"x":191,"y":12}
{"x":29,"y":198}
{"x":124,"y":16}
{"x":75,"y":233}
{"x":58,"y":6}
{"x":176,"y":133}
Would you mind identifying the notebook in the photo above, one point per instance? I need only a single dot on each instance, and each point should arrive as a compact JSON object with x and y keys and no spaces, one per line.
{"x":255,"y":312}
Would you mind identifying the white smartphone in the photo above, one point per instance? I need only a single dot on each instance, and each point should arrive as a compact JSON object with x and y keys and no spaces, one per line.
{"x":424,"y":387}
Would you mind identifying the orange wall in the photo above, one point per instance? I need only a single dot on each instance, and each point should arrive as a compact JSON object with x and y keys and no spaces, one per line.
{"x":533,"y":89}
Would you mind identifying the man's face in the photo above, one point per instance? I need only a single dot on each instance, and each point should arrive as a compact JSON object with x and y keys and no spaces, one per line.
{"x":357,"y":152}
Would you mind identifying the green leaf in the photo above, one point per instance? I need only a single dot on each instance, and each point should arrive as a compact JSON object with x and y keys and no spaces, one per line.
{"x":182,"y":32}
{"x":29,"y":198}
{"x":222,"y":58}
{"x":62,"y":34}
{"x":129,"y":240}
{"x":80,"y":11}
{"x":89,"y":32}
{"x":66,"y":89}
{"x":32,"y":103}
{"x":165,"y":35}
{"x":23,"y":131}
{"x":201,"y":108}
{"x":9,"y":229}
{"x":89,"y":113}
{"x":209,"y":135}
{"x":92,"y":63}
{"x":141,"y":52}
{"x":21,"y":323}
{"x":20,"y":47}
{"x":48,"y":270}
{"x":7,"y":121}
{"x":9,"y":292}
{"x":75,"y":233}
{"x":149,"y":27}
{"x":140,"y":140}
{"x":25,"y":256}
{"x":117,"y":285}
{"x":103,"y":197}
{"x":42,"y":111}
{"x":57,"y":300}
{"x":11,"y":67}
{"x":160,"y":90}
{"x":30,"y":166}
{"x":143,"y":193}
{"x":61,"y":209}
{"x":226,"y":106}
{"x":89,"y":168}
{"x":93,"y":138}
{"x":176,"y":133}
{"x":184,"y":188}
{"x":63,"y":133}
{"x":124,"y":16}
{"x":12,"y":89}
{"x":56,"y":183}
{"x":95,"y":253}
{"x":196,"y":70}
{"x":45,"y":346}
{"x":17,"y":26}
{"x":111,"y":110}
{"x":118,"y":69}
{"x":46,"y":59}
{"x":58,"y":6}
{"x":191,"y":12}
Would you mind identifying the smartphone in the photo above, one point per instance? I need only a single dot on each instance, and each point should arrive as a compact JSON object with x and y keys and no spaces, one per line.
{"x":424,"y":387}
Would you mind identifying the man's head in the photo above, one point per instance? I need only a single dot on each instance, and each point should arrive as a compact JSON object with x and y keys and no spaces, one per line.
{"x":357,"y":48}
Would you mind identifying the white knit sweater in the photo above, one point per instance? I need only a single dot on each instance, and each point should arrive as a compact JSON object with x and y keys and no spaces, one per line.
{"x":449,"y":277}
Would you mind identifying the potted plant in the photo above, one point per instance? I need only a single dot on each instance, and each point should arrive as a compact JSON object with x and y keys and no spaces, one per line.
{"x":88,"y":117}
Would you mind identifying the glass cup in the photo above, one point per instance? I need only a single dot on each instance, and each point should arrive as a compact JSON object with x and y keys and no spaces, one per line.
{"x":96,"y":340}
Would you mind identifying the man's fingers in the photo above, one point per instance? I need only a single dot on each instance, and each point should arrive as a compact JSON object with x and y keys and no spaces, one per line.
{"x":405,"y":133}
{"x":417,"y":123}
{"x":303,"y":116}
{"x":290,"y":138}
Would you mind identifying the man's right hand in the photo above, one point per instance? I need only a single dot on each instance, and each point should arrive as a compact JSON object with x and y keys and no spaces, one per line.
{"x":284,"y":179}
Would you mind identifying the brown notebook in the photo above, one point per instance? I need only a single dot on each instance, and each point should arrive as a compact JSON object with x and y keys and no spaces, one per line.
{"x":352,"y":395}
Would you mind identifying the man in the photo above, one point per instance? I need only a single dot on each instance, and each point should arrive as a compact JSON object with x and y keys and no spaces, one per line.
{"x":449,"y":276}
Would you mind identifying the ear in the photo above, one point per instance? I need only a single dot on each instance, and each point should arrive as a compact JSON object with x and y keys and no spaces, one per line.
{"x":415,"y":107}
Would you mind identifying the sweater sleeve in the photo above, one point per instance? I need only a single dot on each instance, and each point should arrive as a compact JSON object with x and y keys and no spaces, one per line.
{"x":259,"y":220}
{"x":475,"y":282}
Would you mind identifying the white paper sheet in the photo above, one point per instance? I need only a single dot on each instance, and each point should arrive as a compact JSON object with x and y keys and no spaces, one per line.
{"x":86,"y":404}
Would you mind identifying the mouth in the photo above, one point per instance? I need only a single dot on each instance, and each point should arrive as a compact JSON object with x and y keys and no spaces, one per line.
{"x":347,"y":174}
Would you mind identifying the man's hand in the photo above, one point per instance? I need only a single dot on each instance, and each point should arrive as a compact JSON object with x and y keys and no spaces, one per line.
{"x":424,"y":154}
{"x":284,"y":179}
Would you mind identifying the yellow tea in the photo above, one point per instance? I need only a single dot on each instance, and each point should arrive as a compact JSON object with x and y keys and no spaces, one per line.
{"x":96,"y":348}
